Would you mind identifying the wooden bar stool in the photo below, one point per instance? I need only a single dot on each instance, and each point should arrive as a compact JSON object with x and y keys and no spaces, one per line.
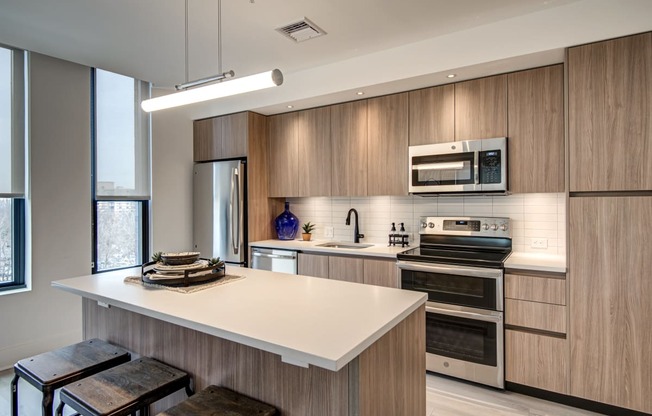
{"x":218,"y":401}
{"x":54,"y":369}
{"x":124,"y":389}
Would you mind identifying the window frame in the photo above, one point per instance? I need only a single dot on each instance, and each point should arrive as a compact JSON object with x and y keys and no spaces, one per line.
{"x":18,"y":117}
{"x":144,"y":204}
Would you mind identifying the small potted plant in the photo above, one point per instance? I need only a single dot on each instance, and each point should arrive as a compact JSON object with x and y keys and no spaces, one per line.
{"x":307,"y":228}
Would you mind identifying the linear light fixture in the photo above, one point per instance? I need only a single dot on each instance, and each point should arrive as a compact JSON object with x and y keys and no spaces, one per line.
{"x":255,"y":82}
{"x":218,"y":85}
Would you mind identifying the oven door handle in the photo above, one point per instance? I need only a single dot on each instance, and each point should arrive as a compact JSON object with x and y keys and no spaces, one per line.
{"x":463,"y":314}
{"x":454,"y":270}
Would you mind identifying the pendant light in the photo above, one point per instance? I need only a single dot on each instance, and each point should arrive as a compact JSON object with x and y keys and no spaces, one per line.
{"x":220,"y":85}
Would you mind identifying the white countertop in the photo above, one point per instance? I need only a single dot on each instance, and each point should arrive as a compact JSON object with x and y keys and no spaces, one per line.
{"x":306,"y":320}
{"x":376,"y":250}
{"x":536,"y":262}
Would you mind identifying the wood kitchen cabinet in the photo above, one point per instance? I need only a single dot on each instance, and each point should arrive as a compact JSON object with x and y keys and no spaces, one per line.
{"x":610,"y":293}
{"x":481,"y":108}
{"x":353,"y":269}
{"x":536,"y":130}
{"x":536,"y":344}
{"x":283,"y":155}
{"x":222,"y":137}
{"x":312,"y":265}
{"x":300,"y":153}
{"x":610,"y":115}
{"x":381,"y":273}
{"x":314,"y":152}
{"x":349,"y":148}
{"x":350,"y":269}
{"x":432,"y":115}
{"x":387,"y":145}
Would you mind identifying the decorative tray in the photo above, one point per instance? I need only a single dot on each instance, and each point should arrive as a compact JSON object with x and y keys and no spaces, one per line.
{"x":201,"y":271}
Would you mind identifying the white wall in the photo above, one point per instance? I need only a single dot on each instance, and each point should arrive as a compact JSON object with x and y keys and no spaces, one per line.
{"x":172,"y":162}
{"x":541,"y":216}
{"x":60,"y":206}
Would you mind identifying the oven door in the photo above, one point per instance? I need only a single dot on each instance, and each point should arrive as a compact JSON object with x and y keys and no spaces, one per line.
{"x":473,"y":287}
{"x":465,"y":343}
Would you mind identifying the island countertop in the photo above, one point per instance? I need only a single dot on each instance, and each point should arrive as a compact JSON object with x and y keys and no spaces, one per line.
{"x":306,"y":320}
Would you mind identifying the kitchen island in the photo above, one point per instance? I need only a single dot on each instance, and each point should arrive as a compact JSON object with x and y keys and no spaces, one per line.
{"x":308,"y":346}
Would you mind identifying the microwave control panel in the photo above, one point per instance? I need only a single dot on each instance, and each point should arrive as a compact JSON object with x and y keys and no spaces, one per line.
{"x":490,"y":167}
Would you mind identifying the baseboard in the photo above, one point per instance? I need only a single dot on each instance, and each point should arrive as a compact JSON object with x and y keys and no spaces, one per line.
{"x":585,"y":404}
{"x":10,"y":355}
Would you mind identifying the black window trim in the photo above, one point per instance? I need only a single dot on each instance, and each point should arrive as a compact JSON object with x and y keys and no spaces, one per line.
{"x":144,"y":204}
{"x":18,"y":246}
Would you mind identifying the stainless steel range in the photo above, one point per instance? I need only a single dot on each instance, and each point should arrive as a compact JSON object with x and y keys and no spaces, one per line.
{"x":460,"y":265}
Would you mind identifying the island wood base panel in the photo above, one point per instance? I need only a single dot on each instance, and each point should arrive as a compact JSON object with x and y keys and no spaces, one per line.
{"x":389,"y":375}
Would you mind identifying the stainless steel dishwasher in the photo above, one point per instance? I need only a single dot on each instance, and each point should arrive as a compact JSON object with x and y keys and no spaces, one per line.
{"x":283,"y":261}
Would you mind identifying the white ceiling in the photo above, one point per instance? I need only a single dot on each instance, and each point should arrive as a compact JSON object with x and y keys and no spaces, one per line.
{"x":379,"y":46}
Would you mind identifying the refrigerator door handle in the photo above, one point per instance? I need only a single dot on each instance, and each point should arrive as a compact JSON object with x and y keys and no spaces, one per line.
{"x":235,"y":210}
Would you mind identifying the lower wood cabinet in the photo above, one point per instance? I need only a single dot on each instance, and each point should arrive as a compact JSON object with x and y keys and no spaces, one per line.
{"x":312,"y":265}
{"x":536,"y":346}
{"x":352,"y":269}
{"x":536,"y":360}
{"x":381,"y":273}
{"x":349,"y":269}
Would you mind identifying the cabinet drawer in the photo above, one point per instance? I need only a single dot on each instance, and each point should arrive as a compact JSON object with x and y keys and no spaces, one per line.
{"x":536,"y":288}
{"x":536,"y":360}
{"x":542,"y":316}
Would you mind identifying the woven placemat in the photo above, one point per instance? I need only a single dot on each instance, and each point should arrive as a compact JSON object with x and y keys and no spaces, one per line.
{"x":135,"y":280}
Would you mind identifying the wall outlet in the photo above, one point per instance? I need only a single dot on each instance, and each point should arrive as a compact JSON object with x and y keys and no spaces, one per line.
{"x":539,"y":243}
{"x":328,"y":232}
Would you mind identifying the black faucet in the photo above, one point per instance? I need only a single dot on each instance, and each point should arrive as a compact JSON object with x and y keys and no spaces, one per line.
{"x":356,"y":232}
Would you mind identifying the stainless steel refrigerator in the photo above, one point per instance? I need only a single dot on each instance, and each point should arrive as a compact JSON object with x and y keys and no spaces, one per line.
{"x":219,"y":221}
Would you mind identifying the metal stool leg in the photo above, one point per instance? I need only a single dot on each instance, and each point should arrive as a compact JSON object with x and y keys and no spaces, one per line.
{"x":48,"y":399}
{"x":14,"y":395}
{"x":60,"y":409}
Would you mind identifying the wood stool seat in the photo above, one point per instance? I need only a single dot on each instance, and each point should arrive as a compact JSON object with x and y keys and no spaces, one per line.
{"x":218,"y":401}
{"x":54,"y":369}
{"x":124,"y":389}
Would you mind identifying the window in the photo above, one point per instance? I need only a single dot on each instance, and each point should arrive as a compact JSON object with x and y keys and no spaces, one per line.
{"x":121,"y":136}
{"x":12,"y":168}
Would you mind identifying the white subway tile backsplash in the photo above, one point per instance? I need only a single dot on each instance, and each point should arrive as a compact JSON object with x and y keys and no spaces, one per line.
{"x":532,"y":215}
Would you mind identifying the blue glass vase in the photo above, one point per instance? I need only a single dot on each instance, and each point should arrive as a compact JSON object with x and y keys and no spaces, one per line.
{"x":287,"y":224}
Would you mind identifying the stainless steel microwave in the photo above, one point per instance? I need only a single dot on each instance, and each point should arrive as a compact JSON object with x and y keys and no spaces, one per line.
{"x":472,"y":166}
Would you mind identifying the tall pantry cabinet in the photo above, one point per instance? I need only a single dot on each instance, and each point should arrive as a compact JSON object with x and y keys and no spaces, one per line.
{"x":610,"y":154}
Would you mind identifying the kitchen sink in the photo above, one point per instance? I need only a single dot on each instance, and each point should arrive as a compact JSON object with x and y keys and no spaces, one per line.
{"x":344,"y":245}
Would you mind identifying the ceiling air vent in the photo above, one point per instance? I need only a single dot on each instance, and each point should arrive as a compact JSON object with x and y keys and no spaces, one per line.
{"x":301,"y":30}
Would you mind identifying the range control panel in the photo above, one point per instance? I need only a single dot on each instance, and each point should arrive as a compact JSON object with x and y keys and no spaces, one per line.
{"x":473,"y":226}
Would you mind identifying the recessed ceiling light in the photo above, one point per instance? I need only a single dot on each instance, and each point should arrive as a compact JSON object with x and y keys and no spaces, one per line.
{"x":451,"y":75}
{"x":360,"y":93}
{"x":290,"y":106}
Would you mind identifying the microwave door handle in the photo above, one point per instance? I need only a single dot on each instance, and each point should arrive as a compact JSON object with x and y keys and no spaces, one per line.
{"x":464,"y":314}
{"x":476,"y":167}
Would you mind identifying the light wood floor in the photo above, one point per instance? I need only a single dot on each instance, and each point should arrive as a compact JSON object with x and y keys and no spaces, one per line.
{"x":444,"y":397}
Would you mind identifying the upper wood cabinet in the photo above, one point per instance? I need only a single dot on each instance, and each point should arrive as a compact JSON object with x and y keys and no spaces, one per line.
{"x":481,"y":108}
{"x":283,"y":155}
{"x":314,"y":152}
{"x":388,"y":145}
{"x":610,"y":115}
{"x":300,"y":153}
{"x":536,"y":130}
{"x":222,"y":137}
{"x":350,"y":147}
{"x":432,"y":115}
{"x":610,"y":292}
